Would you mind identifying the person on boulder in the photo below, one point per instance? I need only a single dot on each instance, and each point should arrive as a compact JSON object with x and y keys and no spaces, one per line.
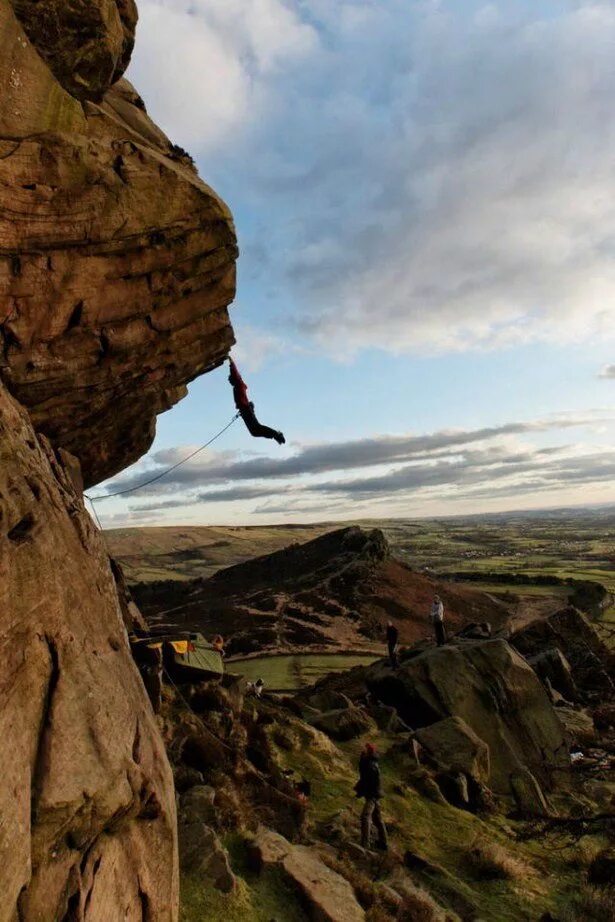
{"x":368,"y":786}
{"x":246,"y":408}
{"x":437,"y":619}
{"x":392,"y":639}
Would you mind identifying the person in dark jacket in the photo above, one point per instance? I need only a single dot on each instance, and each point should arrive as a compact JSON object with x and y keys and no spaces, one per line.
{"x":392,"y":639}
{"x":368,"y":786}
{"x":246,"y":408}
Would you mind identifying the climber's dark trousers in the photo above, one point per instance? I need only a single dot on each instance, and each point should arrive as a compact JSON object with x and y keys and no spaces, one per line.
{"x":255,"y":428}
{"x":371,"y":811}
{"x":440,"y":633}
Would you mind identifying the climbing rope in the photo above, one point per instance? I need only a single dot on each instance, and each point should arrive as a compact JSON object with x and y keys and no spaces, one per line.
{"x":146,"y":483}
{"x":96,"y":499}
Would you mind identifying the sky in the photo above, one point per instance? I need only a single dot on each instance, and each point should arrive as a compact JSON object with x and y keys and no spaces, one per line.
{"x":424,"y":195}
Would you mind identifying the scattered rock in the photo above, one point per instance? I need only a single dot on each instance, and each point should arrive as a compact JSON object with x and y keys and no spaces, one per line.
{"x":346,"y":724}
{"x":198,"y":804}
{"x":475,"y":631}
{"x":201,"y":852}
{"x":454,"y":787}
{"x":578,"y":724}
{"x":491,"y":688}
{"x":387,"y":718}
{"x":528,"y":795}
{"x":553,"y":668}
{"x":569,"y":631}
{"x":328,"y":700}
{"x":328,"y":896}
{"x":416,"y":904}
{"x":186,"y":777}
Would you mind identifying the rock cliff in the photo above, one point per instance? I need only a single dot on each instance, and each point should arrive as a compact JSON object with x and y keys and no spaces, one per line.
{"x":116,"y":270}
{"x":117,"y":263}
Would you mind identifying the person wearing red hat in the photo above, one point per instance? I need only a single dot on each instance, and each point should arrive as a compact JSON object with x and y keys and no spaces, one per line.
{"x":368,"y":786}
{"x":246,"y":408}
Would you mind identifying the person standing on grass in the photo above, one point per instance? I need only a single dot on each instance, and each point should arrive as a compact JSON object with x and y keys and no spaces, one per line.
{"x":368,"y":786}
{"x":392,"y":639}
{"x":437,"y":619}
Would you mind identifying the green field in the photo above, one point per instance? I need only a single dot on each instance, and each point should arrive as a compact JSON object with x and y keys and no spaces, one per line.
{"x":289,"y":672}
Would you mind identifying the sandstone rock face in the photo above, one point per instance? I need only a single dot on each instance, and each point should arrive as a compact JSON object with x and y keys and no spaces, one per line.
{"x":492,"y":689}
{"x":117,"y":263}
{"x":87,"y":807}
{"x":86,"y":43}
{"x":116,"y":269}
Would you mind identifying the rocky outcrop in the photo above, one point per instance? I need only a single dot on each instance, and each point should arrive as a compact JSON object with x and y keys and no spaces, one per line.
{"x":87,"y":45}
{"x":492,"y":689}
{"x":88,"y":814}
{"x":116,"y":270}
{"x":336,"y":591}
{"x":591,"y":666}
{"x":117,"y":263}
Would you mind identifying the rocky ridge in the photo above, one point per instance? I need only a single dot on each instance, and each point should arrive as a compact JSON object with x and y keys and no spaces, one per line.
{"x":116,"y":270}
{"x":333,"y":592}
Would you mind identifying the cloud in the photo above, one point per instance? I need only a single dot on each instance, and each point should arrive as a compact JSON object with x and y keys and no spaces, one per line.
{"x":326,"y":457}
{"x":414,"y":176}
{"x":201,"y":64}
{"x":608,"y":371}
{"x":446,"y":468}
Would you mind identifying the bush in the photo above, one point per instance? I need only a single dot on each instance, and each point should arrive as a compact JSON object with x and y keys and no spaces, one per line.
{"x":592,"y":905}
{"x":490,"y":861}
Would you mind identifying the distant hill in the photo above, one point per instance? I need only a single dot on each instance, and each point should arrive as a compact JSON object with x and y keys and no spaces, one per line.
{"x":333,"y":592}
{"x":192,"y":551}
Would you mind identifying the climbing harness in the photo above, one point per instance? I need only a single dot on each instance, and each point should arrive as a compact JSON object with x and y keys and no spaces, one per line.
{"x":146,"y":483}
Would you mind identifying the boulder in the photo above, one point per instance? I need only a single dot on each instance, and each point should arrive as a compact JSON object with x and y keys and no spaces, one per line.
{"x":328,"y":699}
{"x":553,"y":669}
{"x":578,"y":724}
{"x":569,"y":631}
{"x":416,"y":904}
{"x":453,"y":745}
{"x":198,"y":804}
{"x":475,"y":631}
{"x":186,"y":778}
{"x":528,"y":794}
{"x":387,"y":718}
{"x":490,"y":687}
{"x":454,"y":787}
{"x":345,"y":724}
{"x":201,"y":852}
{"x":328,"y":897}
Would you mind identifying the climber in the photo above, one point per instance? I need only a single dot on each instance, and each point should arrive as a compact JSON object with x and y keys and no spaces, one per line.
{"x":437,"y":619}
{"x":368,"y":786}
{"x":246,"y":408}
{"x":392,"y":638}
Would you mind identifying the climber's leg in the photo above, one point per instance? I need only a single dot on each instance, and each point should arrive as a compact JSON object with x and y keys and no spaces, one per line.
{"x":258,"y":430}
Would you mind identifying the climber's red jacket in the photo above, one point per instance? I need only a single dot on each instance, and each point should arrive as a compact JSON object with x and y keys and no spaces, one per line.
{"x":240,"y":388}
